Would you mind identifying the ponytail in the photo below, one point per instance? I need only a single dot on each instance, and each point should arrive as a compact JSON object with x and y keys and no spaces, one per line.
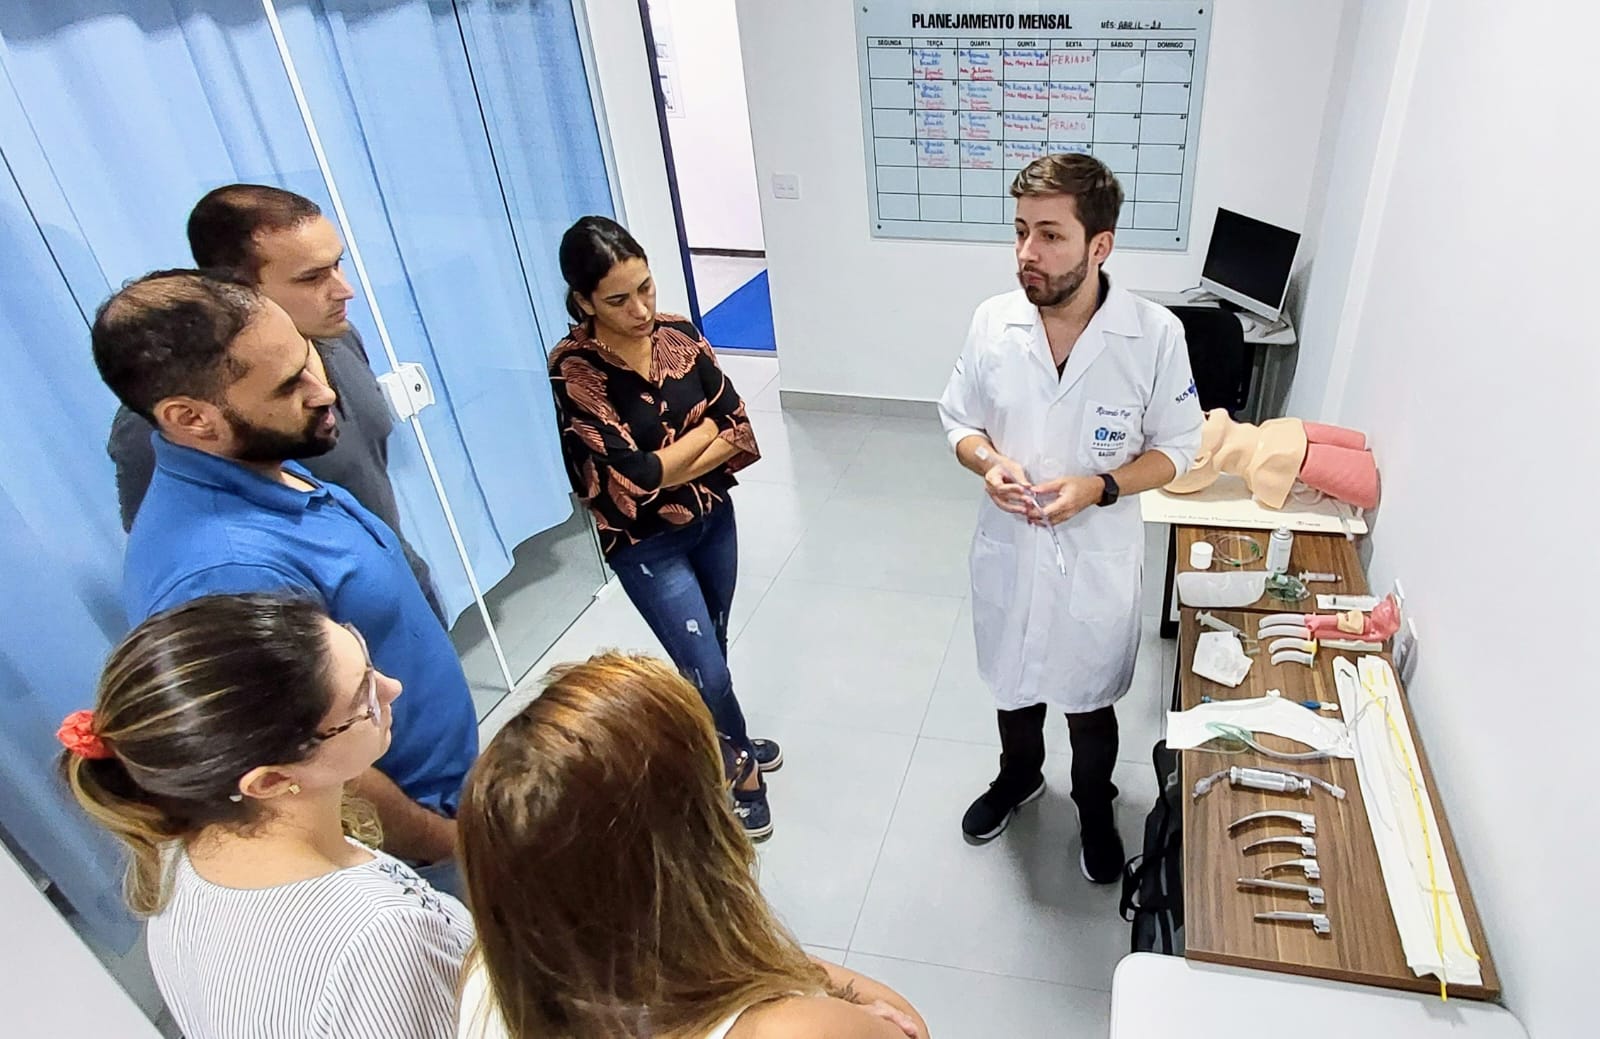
{"x":192,"y":700}
{"x":112,"y":799}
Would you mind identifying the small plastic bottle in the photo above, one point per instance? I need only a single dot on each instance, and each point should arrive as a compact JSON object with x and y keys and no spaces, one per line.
{"x":1278,"y":548}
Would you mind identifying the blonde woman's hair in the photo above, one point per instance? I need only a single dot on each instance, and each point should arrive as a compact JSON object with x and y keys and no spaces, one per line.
{"x":615,"y":890}
{"x":191,"y":701}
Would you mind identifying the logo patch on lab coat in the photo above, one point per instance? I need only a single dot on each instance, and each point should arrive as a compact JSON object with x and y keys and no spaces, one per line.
{"x":1106,"y":434}
{"x":1186,"y":394}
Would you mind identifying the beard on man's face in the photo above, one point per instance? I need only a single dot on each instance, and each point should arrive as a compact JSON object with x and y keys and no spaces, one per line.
{"x":255,"y":443}
{"x":1054,"y":291}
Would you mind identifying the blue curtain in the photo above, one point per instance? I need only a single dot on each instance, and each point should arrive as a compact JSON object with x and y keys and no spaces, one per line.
{"x":462,"y":140}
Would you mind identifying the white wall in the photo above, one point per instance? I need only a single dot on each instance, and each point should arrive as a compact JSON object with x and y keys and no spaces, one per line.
{"x":711,"y":147}
{"x":50,"y":983}
{"x":1366,"y":115}
{"x":627,"y":97}
{"x":1470,"y":358}
{"x":876,"y":318}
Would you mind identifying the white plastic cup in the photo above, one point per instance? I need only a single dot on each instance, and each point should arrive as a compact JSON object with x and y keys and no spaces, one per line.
{"x":1200,"y":554}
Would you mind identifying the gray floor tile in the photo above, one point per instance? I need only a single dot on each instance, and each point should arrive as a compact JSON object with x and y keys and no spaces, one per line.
{"x":903,"y":544}
{"x":834,"y":654}
{"x":831,"y":805}
{"x":806,"y":448}
{"x":965,"y":1004}
{"x":1017,"y":906}
{"x":909,"y":458}
{"x":822,"y":952}
{"x":772,"y":518}
{"x":553,"y":578}
{"x":612,"y":622}
{"x":963,"y":709}
{"x":749,"y":375}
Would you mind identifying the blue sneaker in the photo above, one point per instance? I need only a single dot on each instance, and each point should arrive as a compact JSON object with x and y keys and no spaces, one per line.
{"x":769,"y":756}
{"x":753,"y":811}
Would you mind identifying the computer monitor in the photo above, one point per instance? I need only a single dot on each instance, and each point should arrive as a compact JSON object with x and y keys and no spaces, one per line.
{"x":1249,"y":262}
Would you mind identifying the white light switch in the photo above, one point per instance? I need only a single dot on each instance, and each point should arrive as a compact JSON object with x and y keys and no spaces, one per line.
{"x":786,"y":185}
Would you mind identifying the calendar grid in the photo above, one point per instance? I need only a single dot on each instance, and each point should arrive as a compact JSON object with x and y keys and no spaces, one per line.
{"x":953,"y":116}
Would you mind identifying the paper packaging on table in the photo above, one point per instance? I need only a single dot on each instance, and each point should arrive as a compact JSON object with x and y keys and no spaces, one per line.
{"x":1404,"y":826}
{"x":1189,"y":729}
{"x":1219,"y":657}
{"x":1228,"y":590}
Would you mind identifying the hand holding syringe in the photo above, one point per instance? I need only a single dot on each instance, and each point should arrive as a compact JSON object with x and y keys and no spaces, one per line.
{"x":1037,"y":518}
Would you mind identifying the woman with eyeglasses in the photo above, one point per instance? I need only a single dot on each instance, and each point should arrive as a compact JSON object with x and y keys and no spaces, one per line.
{"x":222,"y":737}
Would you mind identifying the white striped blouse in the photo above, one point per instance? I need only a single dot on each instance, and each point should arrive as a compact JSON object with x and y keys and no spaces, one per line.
{"x":360,"y":953}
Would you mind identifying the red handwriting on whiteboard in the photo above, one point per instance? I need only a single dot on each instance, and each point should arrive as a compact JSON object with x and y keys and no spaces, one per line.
{"x":1027,"y":92}
{"x":978,"y":97}
{"x":977,"y":63}
{"x":933,"y":153}
{"x":932,"y":125}
{"x":933,"y":95}
{"x":1027,"y":59}
{"x":930,"y":64}
{"x":1068,"y":59}
{"x":977,"y":126}
{"x":978,"y":155}
{"x":1019,"y":153}
{"x":1024,"y":122}
{"x":1074,"y":125}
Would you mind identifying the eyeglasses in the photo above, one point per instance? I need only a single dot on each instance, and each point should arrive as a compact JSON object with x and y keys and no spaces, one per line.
{"x":372,"y":710}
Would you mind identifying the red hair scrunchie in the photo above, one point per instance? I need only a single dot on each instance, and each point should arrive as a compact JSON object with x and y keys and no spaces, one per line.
{"x":77,"y":735}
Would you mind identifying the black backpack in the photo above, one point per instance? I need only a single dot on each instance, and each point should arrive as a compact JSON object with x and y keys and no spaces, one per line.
{"x":1152,"y":882}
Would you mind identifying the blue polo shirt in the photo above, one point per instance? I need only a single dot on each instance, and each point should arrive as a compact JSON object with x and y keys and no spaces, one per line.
{"x":211,"y":526}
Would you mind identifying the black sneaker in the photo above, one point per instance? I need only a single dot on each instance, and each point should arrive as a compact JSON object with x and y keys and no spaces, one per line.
{"x":1102,"y":857}
{"x":992,"y":812}
{"x":769,"y":756}
{"x":753,"y":811}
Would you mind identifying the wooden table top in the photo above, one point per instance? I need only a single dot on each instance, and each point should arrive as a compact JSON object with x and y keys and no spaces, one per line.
{"x":1364,"y":946}
{"x":1323,"y":553}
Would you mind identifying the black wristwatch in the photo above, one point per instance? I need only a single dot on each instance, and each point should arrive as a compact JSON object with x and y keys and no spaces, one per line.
{"x":1112,"y":492}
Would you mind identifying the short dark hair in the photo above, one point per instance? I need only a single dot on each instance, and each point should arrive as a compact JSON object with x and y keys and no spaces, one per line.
{"x":223,"y":225}
{"x":167,"y":334}
{"x":1089,"y":181}
{"x":589,"y":249}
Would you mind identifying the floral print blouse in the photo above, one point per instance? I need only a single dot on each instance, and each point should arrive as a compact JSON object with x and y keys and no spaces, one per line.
{"x":613,"y":420}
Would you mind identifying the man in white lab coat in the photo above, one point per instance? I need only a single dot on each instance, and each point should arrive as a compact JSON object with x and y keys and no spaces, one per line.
{"x":1071,"y":396}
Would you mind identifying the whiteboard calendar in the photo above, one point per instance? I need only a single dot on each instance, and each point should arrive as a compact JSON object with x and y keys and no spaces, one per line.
{"x":956,"y":97}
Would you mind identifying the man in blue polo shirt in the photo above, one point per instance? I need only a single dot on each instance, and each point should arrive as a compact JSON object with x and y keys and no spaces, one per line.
{"x":231,"y":388}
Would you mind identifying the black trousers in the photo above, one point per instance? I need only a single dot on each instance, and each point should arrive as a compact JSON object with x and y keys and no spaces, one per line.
{"x":1094,"y":756}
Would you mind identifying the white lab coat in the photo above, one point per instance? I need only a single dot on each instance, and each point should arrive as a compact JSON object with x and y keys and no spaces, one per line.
{"x":1043,"y":637}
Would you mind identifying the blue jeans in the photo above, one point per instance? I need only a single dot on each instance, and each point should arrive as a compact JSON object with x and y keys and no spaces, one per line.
{"x":682,"y":583}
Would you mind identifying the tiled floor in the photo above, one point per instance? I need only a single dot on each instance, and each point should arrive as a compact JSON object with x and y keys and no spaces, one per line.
{"x":853,"y":646}
{"x":717,"y":277}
